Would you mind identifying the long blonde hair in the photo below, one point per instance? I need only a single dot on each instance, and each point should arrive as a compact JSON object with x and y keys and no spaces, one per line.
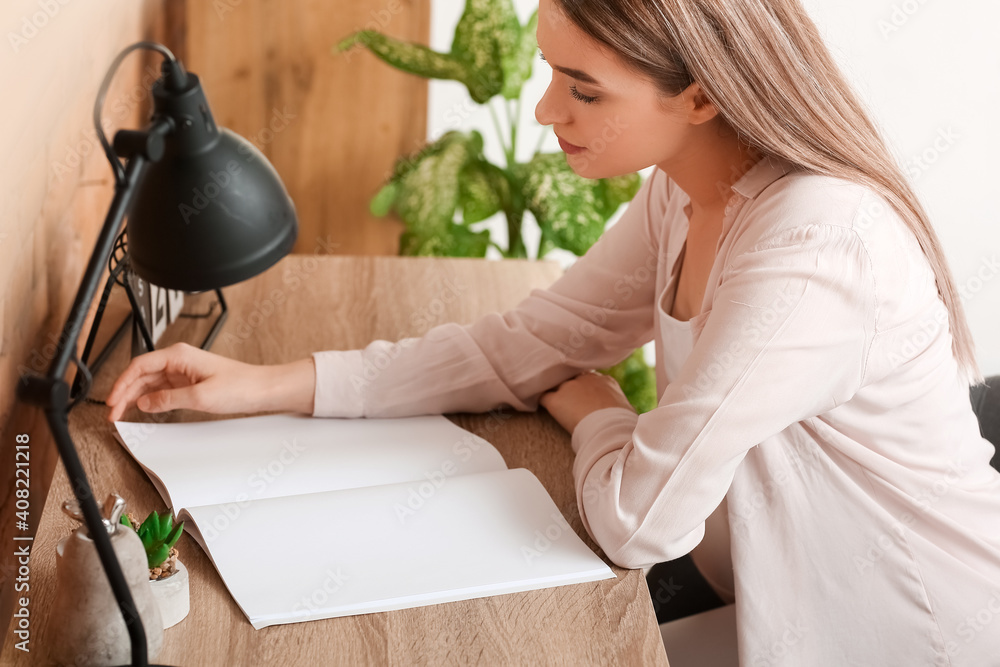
{"x":765,"y":66}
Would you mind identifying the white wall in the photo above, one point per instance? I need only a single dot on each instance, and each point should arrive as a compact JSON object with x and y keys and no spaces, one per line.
{"x":930,"y":72}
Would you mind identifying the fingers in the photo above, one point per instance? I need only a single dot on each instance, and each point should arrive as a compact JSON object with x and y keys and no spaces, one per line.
{"x":145,"y":371}
{"x":165,"y":400}
{"x":151,"y":362}
{"x":136,"y":390}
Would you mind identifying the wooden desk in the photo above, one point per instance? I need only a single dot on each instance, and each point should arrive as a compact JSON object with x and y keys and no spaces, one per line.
{"x":308,"y":303}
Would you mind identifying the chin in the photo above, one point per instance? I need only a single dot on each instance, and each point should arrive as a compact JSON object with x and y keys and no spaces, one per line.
{"x":588,"y":166}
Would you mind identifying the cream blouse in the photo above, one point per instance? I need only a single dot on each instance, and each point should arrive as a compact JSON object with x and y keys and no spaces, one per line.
{"x":816,"y":393}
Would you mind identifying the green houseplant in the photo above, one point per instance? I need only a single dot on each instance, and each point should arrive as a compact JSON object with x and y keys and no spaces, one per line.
{"x":443,"y":190}
{"x":168,"y":577}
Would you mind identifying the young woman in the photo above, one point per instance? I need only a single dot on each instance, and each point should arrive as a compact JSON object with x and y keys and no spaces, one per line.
{"x":814,"y":444}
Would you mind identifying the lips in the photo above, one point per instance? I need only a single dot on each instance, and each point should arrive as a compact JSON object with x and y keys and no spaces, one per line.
{"x":568,"y":148}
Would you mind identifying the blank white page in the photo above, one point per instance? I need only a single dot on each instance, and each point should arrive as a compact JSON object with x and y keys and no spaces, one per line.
{"x":376,"y":549}
{"x":236,"y":460}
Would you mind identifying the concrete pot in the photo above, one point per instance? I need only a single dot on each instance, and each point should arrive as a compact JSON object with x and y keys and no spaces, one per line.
{"x":91,"y":628}
{"x":173,"y":595}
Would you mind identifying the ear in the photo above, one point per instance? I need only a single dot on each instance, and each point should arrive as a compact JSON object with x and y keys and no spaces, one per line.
{"x":699,"y":106}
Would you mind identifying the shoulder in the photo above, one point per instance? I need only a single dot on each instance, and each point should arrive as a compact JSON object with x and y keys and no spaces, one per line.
{"x":801,"y":199}
{"x":802,"y":203}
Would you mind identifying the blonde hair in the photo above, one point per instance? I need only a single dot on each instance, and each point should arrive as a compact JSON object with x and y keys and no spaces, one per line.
{"x":765,"y":66}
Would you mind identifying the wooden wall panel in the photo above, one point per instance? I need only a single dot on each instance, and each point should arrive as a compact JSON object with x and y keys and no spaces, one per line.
{"x":55,"y":186}
{"x":332,"y":125}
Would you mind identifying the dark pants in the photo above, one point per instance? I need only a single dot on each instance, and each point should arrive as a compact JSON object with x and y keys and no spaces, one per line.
{"x":679,"y":590}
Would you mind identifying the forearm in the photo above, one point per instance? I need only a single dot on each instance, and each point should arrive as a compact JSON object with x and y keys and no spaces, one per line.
{"x":288,"y":387}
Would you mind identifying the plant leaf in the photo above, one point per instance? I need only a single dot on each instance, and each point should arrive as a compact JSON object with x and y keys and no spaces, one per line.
{"x":383,"y":200}
{"x":166,"y":522}
{"x":483,"y":189}
{"x":407,"y":56}
{"x":571,"y":210}
{"x":484,"y":27}
{"x":428,"y":193}
{"x":156,"y":555}
{"x":124,"y":520}
{"x":149,"y":527}
{"x":565,"y":205}
{"x":618,"y":190}
{"x":517,"y":62}
{"x":174,"y":535}
{"x":637,"y":380}
{"x":455,"y":241}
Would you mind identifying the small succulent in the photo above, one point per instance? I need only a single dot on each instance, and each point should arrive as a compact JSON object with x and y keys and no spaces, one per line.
{"x":158,"y":534}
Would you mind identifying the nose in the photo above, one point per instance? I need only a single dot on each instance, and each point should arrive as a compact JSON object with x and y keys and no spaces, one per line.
{"x":549,"y":111}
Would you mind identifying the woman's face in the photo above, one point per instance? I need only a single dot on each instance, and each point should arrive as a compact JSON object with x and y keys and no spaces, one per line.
{"x":609,"y":119}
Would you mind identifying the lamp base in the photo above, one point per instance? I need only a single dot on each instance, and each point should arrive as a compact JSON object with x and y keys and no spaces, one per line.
{"x":144,"y":343}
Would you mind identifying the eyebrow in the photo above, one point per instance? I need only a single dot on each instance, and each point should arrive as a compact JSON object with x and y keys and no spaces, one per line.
{"x":579,"y":75}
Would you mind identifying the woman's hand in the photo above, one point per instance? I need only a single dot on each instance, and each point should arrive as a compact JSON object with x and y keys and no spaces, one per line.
{"x":182,"y":376}
{"x":574,"y":399}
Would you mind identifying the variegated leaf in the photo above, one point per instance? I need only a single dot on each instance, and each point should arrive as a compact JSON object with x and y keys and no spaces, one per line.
{"x":486,"y":32}
{"x":406,"y":56}
{"x":483,"y":189}
{"x":517,"y":63}
{"x":567,"y":207}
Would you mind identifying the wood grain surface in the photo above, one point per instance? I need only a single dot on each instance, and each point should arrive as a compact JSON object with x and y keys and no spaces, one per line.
{"x":332,"y":125}
{"x":307,"y":303}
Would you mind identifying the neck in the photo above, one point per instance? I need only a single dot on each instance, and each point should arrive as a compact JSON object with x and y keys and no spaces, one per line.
{"x":709,"y":164}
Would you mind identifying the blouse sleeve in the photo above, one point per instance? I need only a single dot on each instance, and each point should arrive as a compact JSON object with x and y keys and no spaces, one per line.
{"x":788,"y":337}
{"x":592,"y":317}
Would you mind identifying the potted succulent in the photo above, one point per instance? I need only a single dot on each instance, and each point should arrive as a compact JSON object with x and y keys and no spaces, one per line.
{"x":167,"y":576}
{"x":445,"y":191}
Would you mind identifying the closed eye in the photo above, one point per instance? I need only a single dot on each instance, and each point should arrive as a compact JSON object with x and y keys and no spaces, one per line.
{"x":586,"y":99}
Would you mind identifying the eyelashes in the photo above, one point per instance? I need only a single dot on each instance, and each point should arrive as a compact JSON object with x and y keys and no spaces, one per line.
{"x":577,"y":95}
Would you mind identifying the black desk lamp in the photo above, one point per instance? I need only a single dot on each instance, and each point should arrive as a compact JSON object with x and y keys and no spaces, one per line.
{"x":205,"y":210}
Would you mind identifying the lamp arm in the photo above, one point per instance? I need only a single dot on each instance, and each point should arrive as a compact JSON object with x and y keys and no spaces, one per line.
{"x":52,"y":393}
{"x":66,"y":345}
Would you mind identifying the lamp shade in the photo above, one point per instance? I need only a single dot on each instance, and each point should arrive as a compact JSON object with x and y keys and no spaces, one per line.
{"x":211,"y":211}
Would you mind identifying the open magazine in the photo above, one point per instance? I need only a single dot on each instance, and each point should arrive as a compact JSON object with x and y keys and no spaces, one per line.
{"x":316,"y":518}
